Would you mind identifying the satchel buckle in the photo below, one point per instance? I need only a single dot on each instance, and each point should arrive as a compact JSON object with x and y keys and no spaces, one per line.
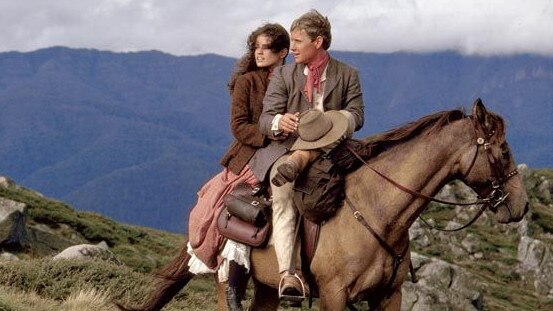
{"x":255,"y":203}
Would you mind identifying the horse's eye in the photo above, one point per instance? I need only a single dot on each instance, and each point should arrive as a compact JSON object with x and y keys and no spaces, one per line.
{"x":505,"y":151}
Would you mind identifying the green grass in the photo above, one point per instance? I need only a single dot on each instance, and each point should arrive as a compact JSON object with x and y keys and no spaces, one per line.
{"x":542,"y":216}
{"x":48,"y":283}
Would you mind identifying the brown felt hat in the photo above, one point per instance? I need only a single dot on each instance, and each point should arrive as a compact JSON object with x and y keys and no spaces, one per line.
{"x":317,"y":129}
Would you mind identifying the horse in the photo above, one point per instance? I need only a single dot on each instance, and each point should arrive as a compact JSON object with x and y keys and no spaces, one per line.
{"x":363,"y":251}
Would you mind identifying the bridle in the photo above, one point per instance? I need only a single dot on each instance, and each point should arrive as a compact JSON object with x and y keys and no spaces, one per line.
{"x":494,"y":193}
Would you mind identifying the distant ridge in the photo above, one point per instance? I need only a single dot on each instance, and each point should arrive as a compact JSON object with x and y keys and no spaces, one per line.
{"x":134,"y":135}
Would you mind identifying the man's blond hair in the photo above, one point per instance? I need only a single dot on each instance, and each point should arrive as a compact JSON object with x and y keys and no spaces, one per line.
{"x":314,"y":24}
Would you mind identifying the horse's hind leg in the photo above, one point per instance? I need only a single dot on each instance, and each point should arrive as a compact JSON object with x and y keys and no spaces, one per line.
{"x":265,"y":298}
{"x":221,"y":295}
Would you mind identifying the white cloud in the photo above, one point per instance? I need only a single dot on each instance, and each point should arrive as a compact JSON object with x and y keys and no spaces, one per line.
{"x":184,"y":27}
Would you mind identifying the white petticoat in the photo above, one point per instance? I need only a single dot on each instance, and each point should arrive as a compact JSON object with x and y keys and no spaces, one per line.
{"x":233,"y":250}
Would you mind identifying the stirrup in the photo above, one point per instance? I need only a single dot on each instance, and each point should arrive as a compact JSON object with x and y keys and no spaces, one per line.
{"x":292,"y":298}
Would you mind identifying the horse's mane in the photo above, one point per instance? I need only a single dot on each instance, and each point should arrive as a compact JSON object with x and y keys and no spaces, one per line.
{"x":427,"y":125}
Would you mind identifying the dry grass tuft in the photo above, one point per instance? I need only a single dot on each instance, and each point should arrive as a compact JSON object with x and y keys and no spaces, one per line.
{"x":87,"y":300}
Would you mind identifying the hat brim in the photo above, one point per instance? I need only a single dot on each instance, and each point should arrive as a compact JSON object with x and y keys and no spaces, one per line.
{"x":339,"y":128}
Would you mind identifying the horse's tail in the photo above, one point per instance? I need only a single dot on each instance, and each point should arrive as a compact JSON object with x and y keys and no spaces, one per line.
{"x":171,"y":279}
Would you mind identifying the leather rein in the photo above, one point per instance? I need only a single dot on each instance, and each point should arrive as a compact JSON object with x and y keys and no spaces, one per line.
{"x":495,"y":196}
{"x":494,"y":193}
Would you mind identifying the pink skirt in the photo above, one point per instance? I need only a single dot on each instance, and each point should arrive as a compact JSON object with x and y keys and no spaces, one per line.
{"x":203,"y":235}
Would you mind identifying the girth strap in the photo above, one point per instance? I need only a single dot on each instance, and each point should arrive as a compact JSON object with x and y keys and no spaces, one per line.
{"x":397,"y":259}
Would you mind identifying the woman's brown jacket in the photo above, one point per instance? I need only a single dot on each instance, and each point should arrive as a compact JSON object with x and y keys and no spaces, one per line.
{"x":247,"y":104}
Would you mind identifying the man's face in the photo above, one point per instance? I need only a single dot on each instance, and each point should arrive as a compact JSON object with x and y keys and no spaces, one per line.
{"x":302,"y":47}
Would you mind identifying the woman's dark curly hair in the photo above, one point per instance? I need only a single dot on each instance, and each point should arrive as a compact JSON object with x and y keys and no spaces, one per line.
{"x":279,"y":40}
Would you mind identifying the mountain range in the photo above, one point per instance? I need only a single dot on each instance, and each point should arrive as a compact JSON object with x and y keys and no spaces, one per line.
{"x":134,"y":135}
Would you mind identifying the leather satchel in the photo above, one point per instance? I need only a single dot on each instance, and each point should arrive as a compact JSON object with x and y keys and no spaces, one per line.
{"x":245,"y":216}
{"x":241,"y":231}
{"x":249,"y":204}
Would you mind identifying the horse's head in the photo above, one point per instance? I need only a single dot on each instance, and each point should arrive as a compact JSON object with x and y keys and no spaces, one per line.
{"x":491,"y":170}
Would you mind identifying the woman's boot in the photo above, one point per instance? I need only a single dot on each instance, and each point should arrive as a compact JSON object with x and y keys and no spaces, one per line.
{"x":237,"y":281}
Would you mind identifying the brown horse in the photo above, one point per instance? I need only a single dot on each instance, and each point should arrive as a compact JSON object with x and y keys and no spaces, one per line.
{"x":363,"y":252}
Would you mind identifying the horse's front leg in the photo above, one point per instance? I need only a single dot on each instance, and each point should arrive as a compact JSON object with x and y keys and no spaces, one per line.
{"x":392,"y":303}
{"x":332,"y":298}
{"x":265,"y":298}
{"x":221,"y":294}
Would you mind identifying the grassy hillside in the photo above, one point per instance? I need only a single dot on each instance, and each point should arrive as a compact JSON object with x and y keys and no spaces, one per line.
{"x":38,"y":283}
{"x":495,"y":273}
{"x":140,"y":248}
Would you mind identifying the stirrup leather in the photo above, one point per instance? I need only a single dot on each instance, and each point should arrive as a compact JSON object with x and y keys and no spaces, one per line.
{"x":291,"y":297}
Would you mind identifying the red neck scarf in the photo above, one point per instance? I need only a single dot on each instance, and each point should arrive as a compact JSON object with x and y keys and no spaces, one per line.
{"x":316,"y":68}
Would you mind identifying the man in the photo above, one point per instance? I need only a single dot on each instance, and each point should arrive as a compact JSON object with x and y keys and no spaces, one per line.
{"x":314,"y":81}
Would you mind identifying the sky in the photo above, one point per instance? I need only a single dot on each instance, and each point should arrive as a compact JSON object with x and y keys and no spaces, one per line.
{"x":192,"y":27}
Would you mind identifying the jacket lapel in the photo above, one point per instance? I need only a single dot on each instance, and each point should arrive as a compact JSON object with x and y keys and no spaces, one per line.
{"x":264,"y":78}
{"x":301,"y":79}
{"x":331,"y":78}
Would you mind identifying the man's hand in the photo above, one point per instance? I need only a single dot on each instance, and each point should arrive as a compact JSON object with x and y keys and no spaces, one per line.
{"x":288,"y":124}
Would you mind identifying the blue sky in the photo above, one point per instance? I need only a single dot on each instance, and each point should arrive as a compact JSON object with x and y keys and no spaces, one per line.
{"x":185,"y":27}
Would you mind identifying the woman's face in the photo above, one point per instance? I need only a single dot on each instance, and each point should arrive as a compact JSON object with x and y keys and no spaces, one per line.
{"x":264,"y":57}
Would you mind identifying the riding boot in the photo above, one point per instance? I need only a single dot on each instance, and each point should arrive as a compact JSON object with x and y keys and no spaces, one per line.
{"x":296,"y":162}
{"x":238,"y":277}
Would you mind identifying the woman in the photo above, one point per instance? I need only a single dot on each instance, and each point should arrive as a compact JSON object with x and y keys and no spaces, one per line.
{"x":267,"y":49}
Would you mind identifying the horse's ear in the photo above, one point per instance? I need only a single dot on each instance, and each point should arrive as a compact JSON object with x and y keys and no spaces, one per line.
{"x":480,"y":112}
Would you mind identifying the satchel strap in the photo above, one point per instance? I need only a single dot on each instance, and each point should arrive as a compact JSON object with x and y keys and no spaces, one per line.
{"x":258,"y":190}
{"x":242,"y":189}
